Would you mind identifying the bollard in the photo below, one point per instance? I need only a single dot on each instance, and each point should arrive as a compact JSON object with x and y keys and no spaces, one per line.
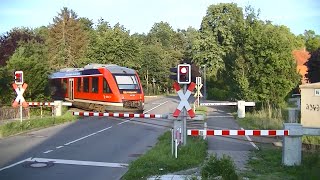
{"x":58,"y":108}
{"x":291,"y":150}
{"x":241,"y":109}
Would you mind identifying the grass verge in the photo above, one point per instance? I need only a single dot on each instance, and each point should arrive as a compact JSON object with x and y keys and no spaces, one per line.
{"x":16,"y":127}
{"x":266,"y":164}
{"x":159,"y":160}
{"x":201,"y":110}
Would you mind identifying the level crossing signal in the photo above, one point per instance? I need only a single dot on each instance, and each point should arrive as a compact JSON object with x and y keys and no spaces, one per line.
{"x":18,"y":77}
{"x":173,"y":74}
{"x":184,"y":73}
{"x":181,"y":74}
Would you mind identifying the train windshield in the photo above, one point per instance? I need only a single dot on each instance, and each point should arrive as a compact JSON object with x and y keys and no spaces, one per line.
{"x":127,"y":83}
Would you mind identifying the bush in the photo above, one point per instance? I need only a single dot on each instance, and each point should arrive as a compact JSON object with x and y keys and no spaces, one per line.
{"x":223,"y":167}
{"x":217,"y":94}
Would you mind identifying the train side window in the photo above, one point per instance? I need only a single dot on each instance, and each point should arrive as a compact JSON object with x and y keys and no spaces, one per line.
{"x":106,"y":87}
{"x":94,"y":84}
{"x":79,"y":84}
{"x":85,"y":84}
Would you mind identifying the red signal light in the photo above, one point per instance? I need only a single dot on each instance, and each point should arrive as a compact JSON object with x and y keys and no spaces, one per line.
{"x":18,"y":77}
{"x":184,"y":74}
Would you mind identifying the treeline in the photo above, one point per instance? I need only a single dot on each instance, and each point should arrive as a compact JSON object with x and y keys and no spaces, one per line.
{"x":245,"y":57}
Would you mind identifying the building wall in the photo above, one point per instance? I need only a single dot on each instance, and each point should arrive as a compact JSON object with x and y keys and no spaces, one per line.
{"x":310,"y":105}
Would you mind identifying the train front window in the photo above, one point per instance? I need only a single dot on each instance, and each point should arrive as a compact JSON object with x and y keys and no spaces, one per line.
{"x":106,"y":87}
{"x":127,"y":83}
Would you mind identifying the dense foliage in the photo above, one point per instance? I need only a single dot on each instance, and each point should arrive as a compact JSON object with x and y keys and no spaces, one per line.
{"x":245,"y":57}
{"x":313,"y":65}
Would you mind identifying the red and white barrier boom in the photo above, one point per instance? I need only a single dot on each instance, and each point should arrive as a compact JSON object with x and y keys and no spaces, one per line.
{"x":122,"y":115}
{"x":198,"y":132}
{"x":41,"y":103}
{"x":184,"y":99}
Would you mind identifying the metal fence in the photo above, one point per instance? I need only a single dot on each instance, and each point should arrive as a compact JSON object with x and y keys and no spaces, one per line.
{"x":8,"y":114}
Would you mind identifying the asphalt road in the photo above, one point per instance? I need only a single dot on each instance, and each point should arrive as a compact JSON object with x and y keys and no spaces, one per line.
{"x":101,"y":147}
{"x":237,"y":147}
{"x":91,"y":148}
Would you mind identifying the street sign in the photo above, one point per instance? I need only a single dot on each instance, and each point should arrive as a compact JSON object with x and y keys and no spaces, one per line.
{"x":198,"y":87}
{"x":20,"y":98}
{"x":184,"y":99}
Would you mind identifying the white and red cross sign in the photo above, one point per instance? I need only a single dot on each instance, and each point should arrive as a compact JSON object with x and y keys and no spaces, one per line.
{"x":19,"y":97}
{"x":184,"y":99}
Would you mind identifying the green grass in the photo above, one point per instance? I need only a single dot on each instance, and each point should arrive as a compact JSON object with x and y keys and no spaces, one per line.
{"x":223,"y":167}
{"x":266,"y":118}
{"x":267,"y":164}
{"x":159,"y":160}
{"x":201,"y":110}
{"x":16,"y":127}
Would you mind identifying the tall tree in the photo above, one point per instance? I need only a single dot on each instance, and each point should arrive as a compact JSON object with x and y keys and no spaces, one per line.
{"x":264,"y":69}
{"x":31,"y":58}
{"x":312,"y":40}
{"x":114,"y":46}
{"x":313,"y":64}
{"x":9,"y":42}
{"x":218,"y":33}
{"x":67,"y":40}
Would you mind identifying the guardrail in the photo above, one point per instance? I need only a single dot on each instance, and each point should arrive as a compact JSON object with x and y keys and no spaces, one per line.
{"x":57,"y":106}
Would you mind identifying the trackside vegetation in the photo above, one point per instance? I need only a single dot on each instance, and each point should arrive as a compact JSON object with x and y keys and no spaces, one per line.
{"x":17,"y":127}
{"x":159,"y":160}
{"x":266,"y":164}
{"x":243,"y":56}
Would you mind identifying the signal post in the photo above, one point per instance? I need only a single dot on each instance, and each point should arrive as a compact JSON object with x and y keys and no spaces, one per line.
{"x":183,"y":76}
{"x":19,"y":86}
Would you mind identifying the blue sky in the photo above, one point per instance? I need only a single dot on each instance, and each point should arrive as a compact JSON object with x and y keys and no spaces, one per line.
{"x":140,"y":15}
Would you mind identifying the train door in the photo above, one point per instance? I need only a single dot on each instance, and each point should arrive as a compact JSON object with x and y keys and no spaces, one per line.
{"x":71,"y":89}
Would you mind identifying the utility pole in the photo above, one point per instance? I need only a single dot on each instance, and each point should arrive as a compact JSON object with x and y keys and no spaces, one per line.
{"x":147,"y":81}
{"x":204,"y":82}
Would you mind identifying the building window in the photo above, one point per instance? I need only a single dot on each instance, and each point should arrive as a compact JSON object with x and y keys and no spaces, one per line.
{"x":94,"y":84}
{"x":86,"y":84}
{"x":79,"y":84}
{"x":106,"y":88}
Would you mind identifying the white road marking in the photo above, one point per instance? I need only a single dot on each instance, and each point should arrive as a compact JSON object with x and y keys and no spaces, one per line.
{"x":81,"y":163}
{"x":7,"y":167}
{"x":70,"y":162}
{"x":73,"y":162}
{"x":145,"y":112}
{"x":125,"y":121}
{"x":250,"y":140}
{"x":156,"y":107}
{"x":46,"y":152}
{"x":66,"y":144}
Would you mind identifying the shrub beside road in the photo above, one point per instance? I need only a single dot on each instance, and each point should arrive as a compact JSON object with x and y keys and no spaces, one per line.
{"x":17,"y":127}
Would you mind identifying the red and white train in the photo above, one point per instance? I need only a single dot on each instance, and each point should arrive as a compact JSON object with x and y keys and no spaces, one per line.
{"x":99,"y":87}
